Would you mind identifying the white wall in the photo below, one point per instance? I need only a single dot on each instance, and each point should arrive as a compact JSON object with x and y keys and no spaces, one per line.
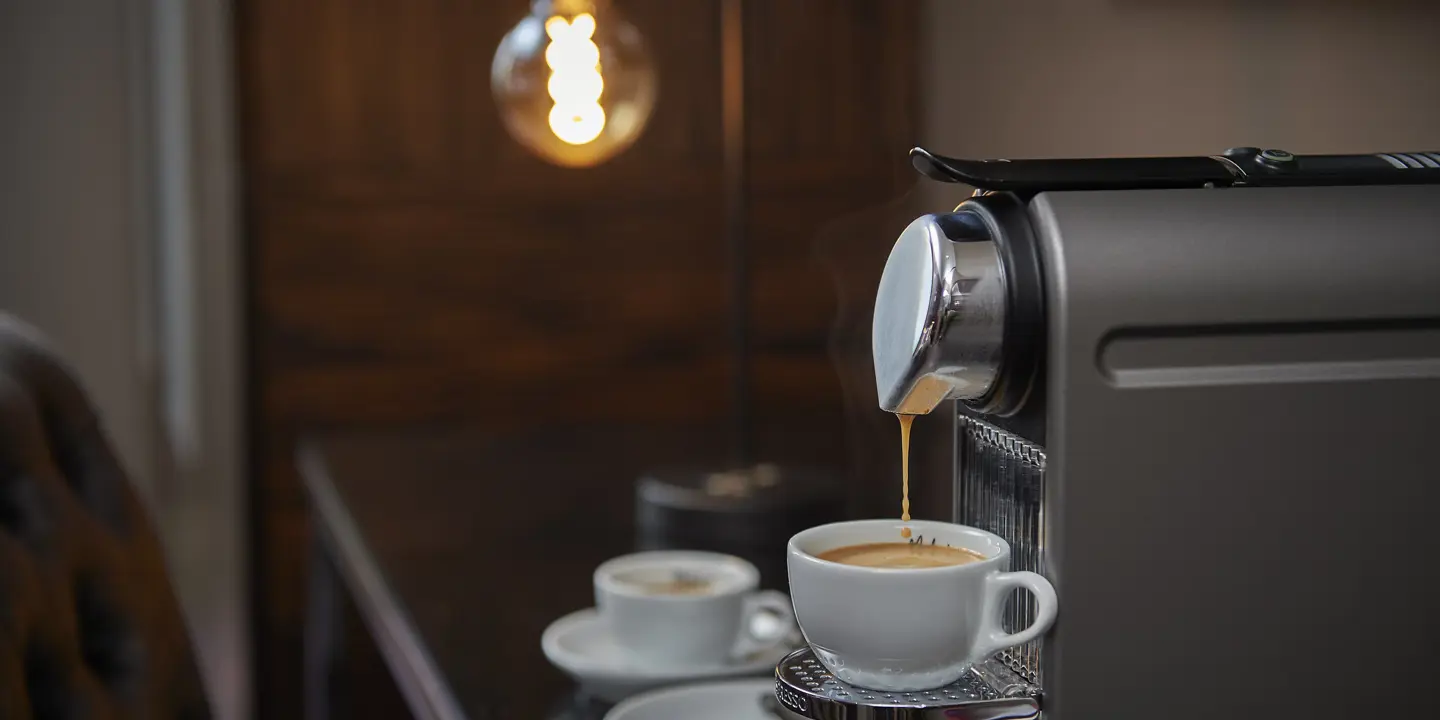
{"x":72,"y":203}
{"x":1026,"y":78}
{"x":118,"y":239}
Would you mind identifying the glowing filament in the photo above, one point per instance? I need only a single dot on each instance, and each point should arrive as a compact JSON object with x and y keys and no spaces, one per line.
{"x":575,"y":81}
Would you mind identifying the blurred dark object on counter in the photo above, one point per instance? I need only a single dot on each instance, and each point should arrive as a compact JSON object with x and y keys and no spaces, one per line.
{"x":579,"y":705}
{"x":750,"y":512}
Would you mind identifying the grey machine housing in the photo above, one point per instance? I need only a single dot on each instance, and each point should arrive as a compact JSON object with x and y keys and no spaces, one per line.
{"x":1238,"y":395}
{"x":1242,"y":416}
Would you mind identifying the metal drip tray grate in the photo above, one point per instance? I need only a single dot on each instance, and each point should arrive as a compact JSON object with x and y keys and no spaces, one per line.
{"x":987,"y":692}
{"x":1000,"y":487}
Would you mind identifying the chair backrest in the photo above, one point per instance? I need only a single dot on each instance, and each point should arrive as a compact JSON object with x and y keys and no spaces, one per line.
{"x":89,"y":624}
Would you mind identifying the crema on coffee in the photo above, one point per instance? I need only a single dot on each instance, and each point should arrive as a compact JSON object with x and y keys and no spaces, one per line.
{"x":900,"y":555}
{"x":679,"y":586}
{"x":670,"y":581}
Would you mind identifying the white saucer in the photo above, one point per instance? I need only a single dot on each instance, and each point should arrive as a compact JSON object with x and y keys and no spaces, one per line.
{"x":580,"y":644}
{"x":730,"y":700}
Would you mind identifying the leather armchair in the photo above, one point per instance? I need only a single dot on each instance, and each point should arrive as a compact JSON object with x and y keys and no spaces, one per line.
{"x":89,"y":624}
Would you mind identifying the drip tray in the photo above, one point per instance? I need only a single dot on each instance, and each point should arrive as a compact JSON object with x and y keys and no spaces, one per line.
{"x":990,"y":691}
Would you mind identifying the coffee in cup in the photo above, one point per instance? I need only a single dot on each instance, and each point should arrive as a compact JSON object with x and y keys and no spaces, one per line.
{"x":902,"y":617}
{"x":900,"y":555}
{"x":687,"y":608}
{"x":666,"y":581}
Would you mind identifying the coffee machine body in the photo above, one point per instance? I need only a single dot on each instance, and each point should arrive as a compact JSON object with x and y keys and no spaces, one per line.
{"x":1206,"y":412}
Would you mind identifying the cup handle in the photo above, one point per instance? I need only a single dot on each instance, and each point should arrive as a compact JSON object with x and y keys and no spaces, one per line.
{"x":766,"y":601}
{"x":998,"y":586}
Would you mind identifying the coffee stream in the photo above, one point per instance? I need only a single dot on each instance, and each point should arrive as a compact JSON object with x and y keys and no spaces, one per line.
{"x":905,"y":421}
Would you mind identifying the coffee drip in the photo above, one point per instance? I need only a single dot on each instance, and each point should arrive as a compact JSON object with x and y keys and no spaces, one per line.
{"x":905,"y":421}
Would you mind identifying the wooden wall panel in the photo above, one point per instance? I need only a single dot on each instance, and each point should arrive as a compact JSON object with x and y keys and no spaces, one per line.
{"x":409,"y":262}
{"x":428,"y":312}
{"x":389,"y":101}
{"x":830,"y":115}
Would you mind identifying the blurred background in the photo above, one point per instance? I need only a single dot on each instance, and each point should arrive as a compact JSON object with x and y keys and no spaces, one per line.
{"x":251,"y":222}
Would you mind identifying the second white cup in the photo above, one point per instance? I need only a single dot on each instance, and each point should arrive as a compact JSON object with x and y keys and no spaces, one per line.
{"x":688,"y":608}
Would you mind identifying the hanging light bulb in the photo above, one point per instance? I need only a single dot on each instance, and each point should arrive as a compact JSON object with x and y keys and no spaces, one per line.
{"x":573,"y":82}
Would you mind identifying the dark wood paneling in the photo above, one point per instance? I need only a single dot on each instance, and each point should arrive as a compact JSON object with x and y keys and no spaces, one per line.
{"x":831,"y":113}
{"x":389,"y":101}
{"x":428,"y":312}
{"x":409,"y":262}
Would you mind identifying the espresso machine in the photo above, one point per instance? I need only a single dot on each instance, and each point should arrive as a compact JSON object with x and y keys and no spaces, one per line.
{"x":1201,"y":395}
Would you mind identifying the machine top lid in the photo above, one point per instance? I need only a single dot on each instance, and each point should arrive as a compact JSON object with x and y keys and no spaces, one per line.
{"x":1246,"y":166}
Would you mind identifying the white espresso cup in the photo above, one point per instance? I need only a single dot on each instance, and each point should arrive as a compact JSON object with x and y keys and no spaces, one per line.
{"x":906,"y":629}
{"x":689,"y":608}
